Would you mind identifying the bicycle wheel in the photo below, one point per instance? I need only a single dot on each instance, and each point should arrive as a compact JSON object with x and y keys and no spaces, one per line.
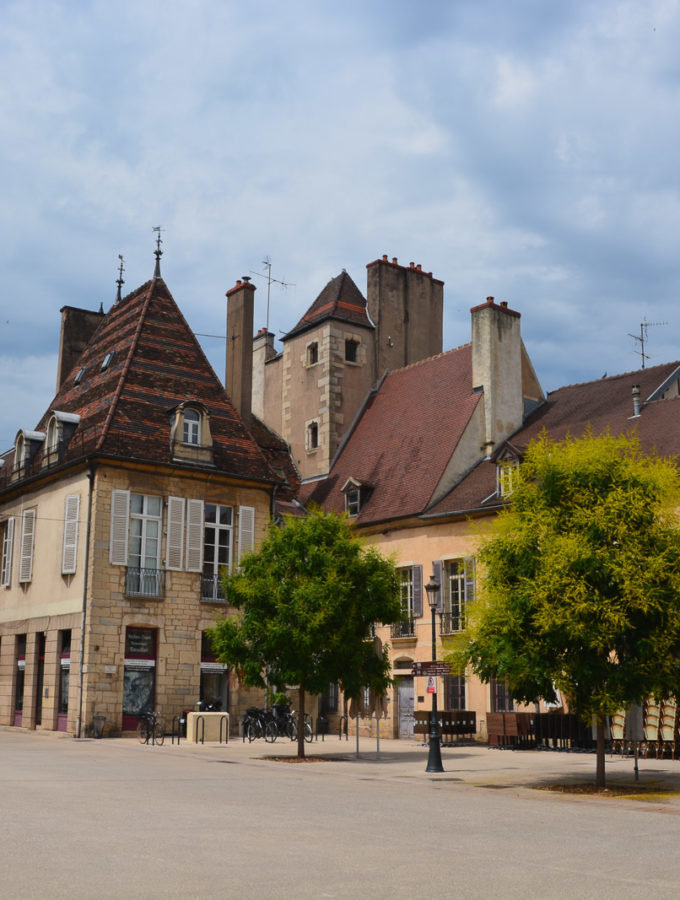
{"x":271,"y":732}
{"x":291,"y":730}
{"x":158,"y":733}
{"x":143,"y":731}
{"x":308,"y":733}
{"x":251,"y":731}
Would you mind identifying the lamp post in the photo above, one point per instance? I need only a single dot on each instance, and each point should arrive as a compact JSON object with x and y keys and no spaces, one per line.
{"x":434,"y":758}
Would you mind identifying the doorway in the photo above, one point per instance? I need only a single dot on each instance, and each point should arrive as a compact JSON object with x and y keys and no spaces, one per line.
{"x":405,"y":698}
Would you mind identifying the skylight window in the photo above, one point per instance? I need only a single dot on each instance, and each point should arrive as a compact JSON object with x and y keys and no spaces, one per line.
{"x":79,"y":376}
{"x":106,"y":362}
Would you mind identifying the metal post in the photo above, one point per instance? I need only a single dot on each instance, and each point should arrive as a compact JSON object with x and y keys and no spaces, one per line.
{"x":434,"y":757}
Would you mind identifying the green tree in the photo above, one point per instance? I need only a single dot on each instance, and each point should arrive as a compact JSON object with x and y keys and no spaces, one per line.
{"x":306,"y":602}
{"x":581,"y":581}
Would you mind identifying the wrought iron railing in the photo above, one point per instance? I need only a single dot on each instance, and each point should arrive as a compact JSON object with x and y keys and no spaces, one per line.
{"x":211,"y":588}
{"x":452,"y":622}
{"x":140,"y":582}
{"x":406,"y":628}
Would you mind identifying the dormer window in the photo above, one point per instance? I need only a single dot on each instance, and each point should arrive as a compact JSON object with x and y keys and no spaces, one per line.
{"x":26,"y":445}
{"x":312,"y":353}
{"x":356,"y":494}
{"x":506,"y":476}
{"x":79,"y":376}
{"x":106,"y":362}
{"x":190,"y":437}
{"x":192,"y":427}
{"x":60,"y":428}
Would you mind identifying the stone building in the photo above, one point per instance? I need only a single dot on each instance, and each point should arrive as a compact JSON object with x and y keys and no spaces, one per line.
{"x":118,"y":511}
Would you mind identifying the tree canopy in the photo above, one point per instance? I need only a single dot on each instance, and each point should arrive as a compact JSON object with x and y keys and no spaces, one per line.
{"x":306,"y":602}
{"x":581,"y":580}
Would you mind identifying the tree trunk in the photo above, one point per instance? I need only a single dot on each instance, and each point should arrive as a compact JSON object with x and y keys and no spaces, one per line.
{"x":301,"y":723}
{"x":599,"y":755}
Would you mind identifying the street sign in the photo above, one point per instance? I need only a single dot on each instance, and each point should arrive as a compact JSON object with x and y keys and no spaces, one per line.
{"x":431,"y":667}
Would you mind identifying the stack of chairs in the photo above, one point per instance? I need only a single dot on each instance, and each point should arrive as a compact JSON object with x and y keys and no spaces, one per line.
{"x":652,"y":724}
{"x":618,"y":727}
{"x":669,"y":717}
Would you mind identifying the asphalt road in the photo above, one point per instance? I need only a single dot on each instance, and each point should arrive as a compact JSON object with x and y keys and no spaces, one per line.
{"x":112,"y":818}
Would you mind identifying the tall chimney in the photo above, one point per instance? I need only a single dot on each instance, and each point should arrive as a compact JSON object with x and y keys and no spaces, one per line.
{"x":239,"y":365}
{"x":636,"y":400}
{"x":77,"y":328}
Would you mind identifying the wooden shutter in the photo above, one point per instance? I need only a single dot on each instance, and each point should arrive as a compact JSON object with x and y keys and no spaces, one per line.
{"x":7,"y":547}
{"x":120,"y":514}
{"x":194,"y":535}
{"x":246,"y":530}
{"x":469,"y":572}
{"x":438,"y":572}
{"x":417,"y":581}
{"x":27,"y":543}
{"x":175,"y":549}
{"x":69,"y":550}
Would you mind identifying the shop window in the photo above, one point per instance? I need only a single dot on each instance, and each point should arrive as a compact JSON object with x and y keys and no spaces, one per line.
{"x":139,"y":674}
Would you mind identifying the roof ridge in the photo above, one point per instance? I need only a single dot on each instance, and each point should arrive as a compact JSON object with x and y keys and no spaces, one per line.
{"x":665,"y":365}
{"x":420,"y":362}
{"x":126,"y":367}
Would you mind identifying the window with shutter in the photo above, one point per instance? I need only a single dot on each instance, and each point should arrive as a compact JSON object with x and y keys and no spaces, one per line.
{"x":175,"y":549}
{"x":246,"y":530}
{"x":7,"y":547}
{"x":417,"y":577}
{"x":120,"y":514}
{"x":69,"y":551}
{"x":194,"y":535}
{"x":27,"y":544}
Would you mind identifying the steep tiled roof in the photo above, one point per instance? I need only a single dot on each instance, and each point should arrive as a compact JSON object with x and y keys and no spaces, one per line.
{"x":404,"y":438}
{"x":603,"y":405}
{"x":340,"y":299}
{"x":156,"y":363}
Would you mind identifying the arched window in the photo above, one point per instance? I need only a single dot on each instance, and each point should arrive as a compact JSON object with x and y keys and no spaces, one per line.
{"x":192,"y":427}
{"x":52,"y":441}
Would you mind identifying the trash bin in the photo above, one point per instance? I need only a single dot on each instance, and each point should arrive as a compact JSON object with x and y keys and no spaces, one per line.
{"x":98,"y":723}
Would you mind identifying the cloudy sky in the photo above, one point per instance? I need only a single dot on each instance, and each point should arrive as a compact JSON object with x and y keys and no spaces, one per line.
{"x":526,"y":150}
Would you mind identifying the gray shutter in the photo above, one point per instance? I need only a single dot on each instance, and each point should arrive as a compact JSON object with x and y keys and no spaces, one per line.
{"x":69,"y":550}
{"x":417,"y":580}
{"x":27,"y":543}
{"x":7,"y":547}
{"x":175,"y":548}
{"x":469,"y":572}
{"x":194,"y":535}
{"x":438,"y":572}
{"x":120,"y":514}
{"x":246,"y":530}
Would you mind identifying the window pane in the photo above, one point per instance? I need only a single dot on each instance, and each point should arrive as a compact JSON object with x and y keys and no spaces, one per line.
{"x":210,"y":512}
{"x":154,"y":506}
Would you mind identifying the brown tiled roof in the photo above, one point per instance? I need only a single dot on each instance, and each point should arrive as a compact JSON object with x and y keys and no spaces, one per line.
{"x":603,"y":405}
{"x":156,"y":364}
{"x":404,"y":438}
{"x":340,"y":299}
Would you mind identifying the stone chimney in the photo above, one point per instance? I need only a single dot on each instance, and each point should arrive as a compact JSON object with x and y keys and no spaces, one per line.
{"x":263,"y":351}
{"x":497,"y":369}
{"x":239,"y":369}
{"x":77,"y":328}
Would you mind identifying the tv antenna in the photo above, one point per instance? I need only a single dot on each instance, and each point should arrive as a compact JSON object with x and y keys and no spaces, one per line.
{"x":267,"y":263}
{"x":642,"y":338}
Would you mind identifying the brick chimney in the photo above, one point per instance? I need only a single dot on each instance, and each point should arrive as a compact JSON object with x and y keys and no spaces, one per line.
{"x":497,"y":357}
{"x":239,"y":364}
{"x":77,"y":328}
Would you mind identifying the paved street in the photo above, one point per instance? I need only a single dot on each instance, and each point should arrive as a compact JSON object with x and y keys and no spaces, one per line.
{"x":113,"y":818}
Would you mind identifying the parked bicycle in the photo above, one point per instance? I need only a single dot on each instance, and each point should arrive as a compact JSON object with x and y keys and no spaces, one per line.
{"x":150,"y":729}
{"x":254,"y":723}
{"x":284,"y":724}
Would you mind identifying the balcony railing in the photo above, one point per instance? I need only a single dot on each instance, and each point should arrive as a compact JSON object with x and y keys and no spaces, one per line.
{"x":404,"y":629}
{"x":211,"y":589}
{"x":452,"y":622}
{"x":144,"y":582}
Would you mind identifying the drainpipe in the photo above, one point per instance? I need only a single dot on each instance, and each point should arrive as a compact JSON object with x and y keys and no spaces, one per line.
{"x":81,"y":660}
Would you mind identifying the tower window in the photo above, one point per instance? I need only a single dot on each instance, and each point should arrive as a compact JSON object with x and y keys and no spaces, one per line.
{"x":351,"y":350}
{"x":312,"y":353}
{"x":312,"y":436}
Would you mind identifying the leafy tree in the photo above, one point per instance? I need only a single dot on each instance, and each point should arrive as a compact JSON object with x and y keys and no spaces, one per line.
{"x":306,"y":602}
{"x":581,"y":583}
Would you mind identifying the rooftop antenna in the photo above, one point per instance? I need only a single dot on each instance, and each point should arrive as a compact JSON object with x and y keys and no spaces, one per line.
{"x":158,"y":252}
{"x":267,"y":263}
{"x":642,"y":338}
{"x":119,"y":281}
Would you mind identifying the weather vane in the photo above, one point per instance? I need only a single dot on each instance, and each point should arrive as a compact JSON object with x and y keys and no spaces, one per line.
{"x":119,"y":281}
{"x":158,"y":252}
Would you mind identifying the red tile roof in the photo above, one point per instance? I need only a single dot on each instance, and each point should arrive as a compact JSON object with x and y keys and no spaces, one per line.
{"x":404,"y":438}
{"x":157,"y":363}
{"x":340,"y":299}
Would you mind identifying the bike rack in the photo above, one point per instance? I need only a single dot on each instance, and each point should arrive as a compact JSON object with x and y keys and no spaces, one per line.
{"x":223,"y":719}
{"x":200,"y":719}
{"x":340,"y":728}
{"x":179,"y":721}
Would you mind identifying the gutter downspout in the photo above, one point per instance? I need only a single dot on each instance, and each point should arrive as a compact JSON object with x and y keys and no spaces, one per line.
{"x":81,"y":660}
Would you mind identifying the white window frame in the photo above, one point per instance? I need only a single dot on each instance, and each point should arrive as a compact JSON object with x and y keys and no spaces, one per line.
{"x":7,"y":548}
{"x":458,"y":588}
{"x":353,"y":502}
{"x":506,"y":477}
{"x":217,"y":527}
{"x":191,"y":428}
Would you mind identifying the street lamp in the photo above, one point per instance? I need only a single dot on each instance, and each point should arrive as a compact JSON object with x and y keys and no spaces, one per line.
{"x":434,"y":758}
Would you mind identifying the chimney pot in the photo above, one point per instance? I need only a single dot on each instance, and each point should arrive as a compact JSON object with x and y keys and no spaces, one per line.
{"x":412,"y":265}
{"x":419,"y":267}
{"x":245,"y":278}
{"x":394,"y":260}
{"x":384,"y":257}
{"x":636,"y":399}
{"x":489,"y":299}
{"x":504,"y":304}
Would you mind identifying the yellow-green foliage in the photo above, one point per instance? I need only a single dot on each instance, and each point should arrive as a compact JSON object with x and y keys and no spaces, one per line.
{"x":580,"y":586}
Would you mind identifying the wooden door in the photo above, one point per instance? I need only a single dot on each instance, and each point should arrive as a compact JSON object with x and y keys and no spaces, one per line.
{"x":405,"y":698}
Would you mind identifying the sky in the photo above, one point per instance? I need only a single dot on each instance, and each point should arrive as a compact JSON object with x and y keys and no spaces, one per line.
{"x":525,"y":150}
